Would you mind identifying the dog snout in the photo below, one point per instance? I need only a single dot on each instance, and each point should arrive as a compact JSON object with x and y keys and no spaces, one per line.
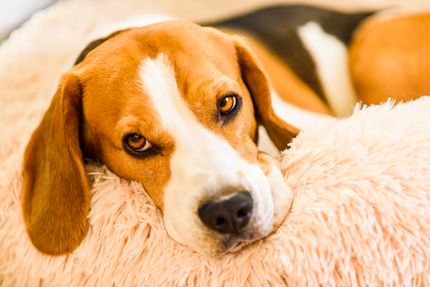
{"x":227,"y":216}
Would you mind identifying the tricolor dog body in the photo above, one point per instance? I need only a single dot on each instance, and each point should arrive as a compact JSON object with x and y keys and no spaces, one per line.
{"x":176,"y":106}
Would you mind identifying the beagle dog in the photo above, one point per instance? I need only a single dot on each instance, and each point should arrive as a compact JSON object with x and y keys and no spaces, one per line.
{"x":176,"y":107}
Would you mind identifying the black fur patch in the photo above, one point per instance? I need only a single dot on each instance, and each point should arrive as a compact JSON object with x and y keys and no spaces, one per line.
{"x":276,"y":27}
{"x":94,"y":44}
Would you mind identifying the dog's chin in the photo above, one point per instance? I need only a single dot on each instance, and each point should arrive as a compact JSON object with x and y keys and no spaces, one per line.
{"x":234,"y":243}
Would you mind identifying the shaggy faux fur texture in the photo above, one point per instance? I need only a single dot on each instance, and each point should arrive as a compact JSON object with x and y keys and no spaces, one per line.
{"x":361,"y":217}
{"x":361,"y":214}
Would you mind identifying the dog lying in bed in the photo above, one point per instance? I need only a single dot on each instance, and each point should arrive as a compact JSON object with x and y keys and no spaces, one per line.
{"x":176,"y":106}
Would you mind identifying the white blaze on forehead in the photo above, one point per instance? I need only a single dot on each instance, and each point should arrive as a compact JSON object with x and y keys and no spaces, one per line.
{"x":160,"y":84}
{"x":202,"y":165}
{"x":204,"y":150}
{"x":331,"y":59}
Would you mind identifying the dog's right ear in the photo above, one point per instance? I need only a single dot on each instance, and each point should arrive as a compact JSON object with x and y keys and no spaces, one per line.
{"x":55,"y":198}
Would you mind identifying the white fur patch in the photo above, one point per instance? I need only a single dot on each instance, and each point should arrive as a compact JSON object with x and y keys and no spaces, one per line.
{"x":265,"y":144}
{"x":331,"y":59}
{"x":202,"y":165}
{"x":298,"y":117}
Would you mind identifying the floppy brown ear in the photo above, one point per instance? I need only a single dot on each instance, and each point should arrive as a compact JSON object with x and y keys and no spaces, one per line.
{"x":280,"y":132}
{"x":55,"y":199}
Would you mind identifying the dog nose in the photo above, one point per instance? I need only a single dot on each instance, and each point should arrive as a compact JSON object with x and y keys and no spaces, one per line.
{"x":227,"y":216}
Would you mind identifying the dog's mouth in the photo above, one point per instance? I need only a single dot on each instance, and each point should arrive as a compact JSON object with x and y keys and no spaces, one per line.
{"x":233,"y":243}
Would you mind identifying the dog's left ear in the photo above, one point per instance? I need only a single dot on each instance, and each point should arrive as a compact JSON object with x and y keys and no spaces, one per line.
{"x":280,"y":132}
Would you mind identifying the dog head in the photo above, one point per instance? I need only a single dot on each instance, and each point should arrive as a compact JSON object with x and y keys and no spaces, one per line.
{"x":174,"y":106}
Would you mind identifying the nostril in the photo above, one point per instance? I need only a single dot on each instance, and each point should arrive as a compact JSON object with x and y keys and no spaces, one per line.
{"x":242,"y":213}
{"x":227,"y":216}
{"x":219,"y":222}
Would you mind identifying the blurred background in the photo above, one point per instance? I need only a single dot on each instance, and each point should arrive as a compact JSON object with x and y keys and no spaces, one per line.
{"x":15,"y":12}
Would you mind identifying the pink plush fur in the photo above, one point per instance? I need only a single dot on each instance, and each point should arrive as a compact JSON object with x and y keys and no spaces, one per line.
{"x":360,"y":217}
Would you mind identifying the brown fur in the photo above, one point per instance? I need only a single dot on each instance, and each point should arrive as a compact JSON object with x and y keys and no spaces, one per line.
{"x":390,"y":59}
{"x":102,"y":99}
{"x":55,"y":198}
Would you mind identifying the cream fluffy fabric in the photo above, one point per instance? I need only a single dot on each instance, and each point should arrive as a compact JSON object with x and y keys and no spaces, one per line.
{"x":361,"y":214}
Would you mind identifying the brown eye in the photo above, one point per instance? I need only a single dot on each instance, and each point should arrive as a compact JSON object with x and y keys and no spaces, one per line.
{"x":136,"y":143}
{"x":227,"y":104}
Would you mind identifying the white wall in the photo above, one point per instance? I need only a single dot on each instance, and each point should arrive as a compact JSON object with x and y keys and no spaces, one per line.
{"x":14,"y":12}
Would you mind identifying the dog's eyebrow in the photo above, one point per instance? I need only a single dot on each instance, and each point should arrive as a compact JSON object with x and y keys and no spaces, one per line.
{"x":94,"y":44}
{"x":126,"y":123}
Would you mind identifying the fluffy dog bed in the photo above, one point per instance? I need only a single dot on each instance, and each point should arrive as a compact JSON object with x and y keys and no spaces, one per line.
{"x":361,"y":213}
